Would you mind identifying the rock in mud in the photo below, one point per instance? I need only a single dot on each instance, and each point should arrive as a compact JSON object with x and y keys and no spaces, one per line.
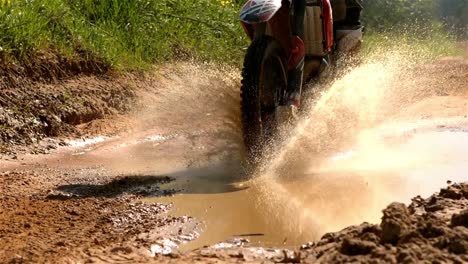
{"x":460,"y":219}
{"x":451,"y":193}
{"x":395,"y":223}
{"x":353,"y":247}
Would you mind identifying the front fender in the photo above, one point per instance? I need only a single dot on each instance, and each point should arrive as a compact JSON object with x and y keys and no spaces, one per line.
{"x":258,"y":11}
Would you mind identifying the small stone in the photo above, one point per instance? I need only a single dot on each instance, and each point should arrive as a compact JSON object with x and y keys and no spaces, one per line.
{"x":126,"y":250}
{"x":309,"y":245}
{"x":458,"y":247}
{"x":395,"y":222}
{"x":451,"y":193}
{"x":353,"y":247}
{"x":60,"y":244}
{"x":434,"y":207}
{"x":460,"y":219}
{"x":73,"y":212}
{"x":464,"y":190}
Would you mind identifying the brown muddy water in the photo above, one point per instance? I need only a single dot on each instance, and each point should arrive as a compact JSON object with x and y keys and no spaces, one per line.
{"x":372,"y":137}
{"x":348,"y":188}
{"x":366,"y":142}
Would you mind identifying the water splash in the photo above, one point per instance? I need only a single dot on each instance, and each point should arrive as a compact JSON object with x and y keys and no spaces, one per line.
{"x":350,"y":154}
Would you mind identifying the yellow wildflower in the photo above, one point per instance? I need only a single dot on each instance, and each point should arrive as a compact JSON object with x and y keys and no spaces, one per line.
{"x":226,"y":2}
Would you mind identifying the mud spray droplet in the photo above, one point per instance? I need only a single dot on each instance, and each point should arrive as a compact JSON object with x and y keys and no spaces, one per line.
{"x":361,"y":146}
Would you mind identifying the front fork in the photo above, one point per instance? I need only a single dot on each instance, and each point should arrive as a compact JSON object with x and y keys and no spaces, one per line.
{"x":297,"y":55}
{"x":295,"y":72}
{"x":291,"y":39}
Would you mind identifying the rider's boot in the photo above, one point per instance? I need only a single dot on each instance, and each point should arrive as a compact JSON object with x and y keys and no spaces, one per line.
{"x":295,"y":78}
{"x":296,"y":61}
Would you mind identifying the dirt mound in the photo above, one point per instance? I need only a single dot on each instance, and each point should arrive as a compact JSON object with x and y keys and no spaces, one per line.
{"x":49,"y":66}
{"x":433,"y":229}
{"x":36,"y":110}
{"x":49,"y":94}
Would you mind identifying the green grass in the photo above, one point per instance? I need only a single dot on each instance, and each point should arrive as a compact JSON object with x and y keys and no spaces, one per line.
{"x":128,"y":34}
{"x":134,"y":34}
{"x":421,"y":44}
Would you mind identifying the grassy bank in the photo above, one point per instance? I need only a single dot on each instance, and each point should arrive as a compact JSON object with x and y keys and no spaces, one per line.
{"x":135,"y":34}
{"x":126,"y":34}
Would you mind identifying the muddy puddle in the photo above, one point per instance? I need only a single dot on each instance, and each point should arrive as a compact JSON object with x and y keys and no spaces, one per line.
{"x":367,"y":142}
{"x":336,"y":191}
{"x":361,"y":147}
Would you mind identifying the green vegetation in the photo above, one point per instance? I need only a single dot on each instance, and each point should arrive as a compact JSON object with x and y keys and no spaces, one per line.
{"x":418,"y":15}
{"x":427,"y":28}
{"x":385,"y":15}
{"x":127,"y":34}
{"x":134,"y":34}
{"x":419,"y":48}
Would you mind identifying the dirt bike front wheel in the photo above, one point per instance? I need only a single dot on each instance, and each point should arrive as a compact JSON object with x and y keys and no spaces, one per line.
{"x":263,"y":86}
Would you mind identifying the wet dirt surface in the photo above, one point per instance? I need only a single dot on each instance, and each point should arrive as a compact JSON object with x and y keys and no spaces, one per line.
{"x":174,"y":183}
{"x":428,"y":230}
{"x":49,"y":215}
{"x":83,"y":202}
{"x":33,"y":112}
{"x":255,"y":209}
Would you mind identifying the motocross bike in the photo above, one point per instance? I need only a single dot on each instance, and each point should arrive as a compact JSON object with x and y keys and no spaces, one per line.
{"x":273,"y":55}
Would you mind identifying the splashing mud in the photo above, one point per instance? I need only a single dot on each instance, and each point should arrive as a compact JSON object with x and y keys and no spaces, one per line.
{"x":367,"y":141}
{"x":364,"y":144}
{"x":383,"y":131}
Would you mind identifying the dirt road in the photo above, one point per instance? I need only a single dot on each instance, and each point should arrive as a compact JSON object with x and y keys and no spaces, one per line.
{"x":174,"y":182}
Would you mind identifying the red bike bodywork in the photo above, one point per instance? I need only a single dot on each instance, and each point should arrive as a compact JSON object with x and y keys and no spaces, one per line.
{"x":276,"y":15}
{"x":327,"y":14}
